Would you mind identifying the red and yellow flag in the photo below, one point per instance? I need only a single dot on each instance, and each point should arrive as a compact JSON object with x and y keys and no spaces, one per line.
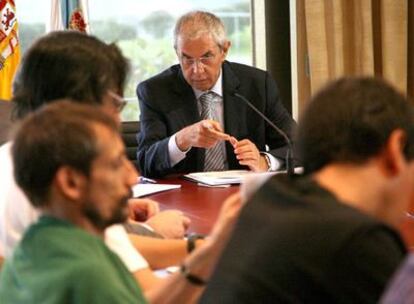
{"x":9,"y":47}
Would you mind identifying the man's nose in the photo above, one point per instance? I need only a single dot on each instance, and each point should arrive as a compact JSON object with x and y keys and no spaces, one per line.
{"x":198,"y":67}
{"x":132,"y":173}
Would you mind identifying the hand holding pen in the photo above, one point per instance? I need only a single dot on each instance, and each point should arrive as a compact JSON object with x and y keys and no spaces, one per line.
{"x":203,"y":134}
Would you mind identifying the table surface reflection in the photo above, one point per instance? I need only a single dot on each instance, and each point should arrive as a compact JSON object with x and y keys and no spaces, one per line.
{"x":202,"y":206}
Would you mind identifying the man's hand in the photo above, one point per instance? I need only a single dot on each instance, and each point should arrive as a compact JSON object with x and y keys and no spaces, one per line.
{"x":171,"y":224}
{"x":248,"y":155}
{"x":203,"y":134}
{"x":142,"y":209}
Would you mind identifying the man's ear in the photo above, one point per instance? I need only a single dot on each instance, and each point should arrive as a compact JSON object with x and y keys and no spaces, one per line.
{"x":70,"y":182}
{"x":225,"y":48}
{"x":393,"y":155}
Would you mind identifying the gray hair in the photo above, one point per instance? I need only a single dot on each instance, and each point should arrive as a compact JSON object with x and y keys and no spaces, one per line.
{"x":193,"y":25}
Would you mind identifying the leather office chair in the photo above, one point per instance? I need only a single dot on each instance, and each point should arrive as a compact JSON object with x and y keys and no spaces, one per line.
{"x":5,"y":120}
{"x":130,"y":133}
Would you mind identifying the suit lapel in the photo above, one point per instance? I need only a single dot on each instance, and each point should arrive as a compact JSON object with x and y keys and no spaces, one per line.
{"x":231,"y":103}
{"x":234,"y":112}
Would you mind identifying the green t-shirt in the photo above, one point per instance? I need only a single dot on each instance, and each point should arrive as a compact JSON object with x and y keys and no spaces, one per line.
{"x":57,"y":262}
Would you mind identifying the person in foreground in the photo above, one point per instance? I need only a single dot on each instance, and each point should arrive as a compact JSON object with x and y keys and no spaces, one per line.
{"x":191,"y":119}
{"x":80,"y":67}
{"x":328,"y":236}
{"x":84,"y":187}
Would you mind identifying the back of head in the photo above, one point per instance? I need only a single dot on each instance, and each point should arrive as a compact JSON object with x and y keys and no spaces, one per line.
{"x":62,"y":133}
{"x":350,"y":121}
{"x":198,"y":23}
{"x":66,"y":64}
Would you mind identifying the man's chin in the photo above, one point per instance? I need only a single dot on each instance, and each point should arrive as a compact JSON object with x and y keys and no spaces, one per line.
{"x":120,"y":215}
{"x":203,"y":85}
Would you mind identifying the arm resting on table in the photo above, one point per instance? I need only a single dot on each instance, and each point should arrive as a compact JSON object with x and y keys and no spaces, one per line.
{"x":161,"y":253}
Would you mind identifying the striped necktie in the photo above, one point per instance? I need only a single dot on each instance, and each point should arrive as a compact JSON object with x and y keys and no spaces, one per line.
{"x":214,"y":159}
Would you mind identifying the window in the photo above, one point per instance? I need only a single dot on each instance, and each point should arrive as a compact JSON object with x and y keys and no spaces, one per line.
{"x":143,"y":30}
{"x":32,"y":17}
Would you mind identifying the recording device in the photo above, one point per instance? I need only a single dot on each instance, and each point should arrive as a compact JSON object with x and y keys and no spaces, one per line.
{"x":289,"y":152}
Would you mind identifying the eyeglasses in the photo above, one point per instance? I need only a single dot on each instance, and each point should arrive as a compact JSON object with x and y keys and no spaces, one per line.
{"x":204,"y":60}
{"x":118,"y":102}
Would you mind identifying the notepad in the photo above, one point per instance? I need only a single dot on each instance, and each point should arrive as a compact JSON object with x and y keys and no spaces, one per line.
{"x":228,"y":177}
{"x":215,"y":178}
{"x":140,"y":190}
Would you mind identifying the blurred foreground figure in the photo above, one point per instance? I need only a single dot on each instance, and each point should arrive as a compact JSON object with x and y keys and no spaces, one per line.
{"x":328,"y":236}
{"x":84,"y":187}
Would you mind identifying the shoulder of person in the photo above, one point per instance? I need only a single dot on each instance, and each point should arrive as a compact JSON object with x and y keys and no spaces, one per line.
{"x":163,"y":77}
{"x":244,"y":69}
{"x":156,"y":89}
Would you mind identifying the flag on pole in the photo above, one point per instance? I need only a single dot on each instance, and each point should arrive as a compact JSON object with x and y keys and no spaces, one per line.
{"x":69,"y":15}
{"x":9,"y":47}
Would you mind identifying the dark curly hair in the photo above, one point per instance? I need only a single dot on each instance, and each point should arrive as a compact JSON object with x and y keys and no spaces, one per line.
{"x":350,"y":121}
{"x":67,"y":64}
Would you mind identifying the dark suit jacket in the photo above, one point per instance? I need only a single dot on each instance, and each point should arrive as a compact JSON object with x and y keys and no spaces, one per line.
{"x":295,"y":242}
{"x":168,"y":104}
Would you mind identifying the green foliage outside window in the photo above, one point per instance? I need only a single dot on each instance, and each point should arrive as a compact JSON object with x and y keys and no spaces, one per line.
{"x":147,"y":42}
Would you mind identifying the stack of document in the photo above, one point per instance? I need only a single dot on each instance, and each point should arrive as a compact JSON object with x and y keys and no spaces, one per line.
{"x":216,"y":178}
{"x":140,"y":190}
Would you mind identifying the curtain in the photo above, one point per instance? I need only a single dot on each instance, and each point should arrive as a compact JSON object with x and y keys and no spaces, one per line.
{"x":359,"y":37}
{"x":9,"y":47}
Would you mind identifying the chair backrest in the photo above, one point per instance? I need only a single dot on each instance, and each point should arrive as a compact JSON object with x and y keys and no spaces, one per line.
{"x":5,"y":120}
{"x":130,"y":133}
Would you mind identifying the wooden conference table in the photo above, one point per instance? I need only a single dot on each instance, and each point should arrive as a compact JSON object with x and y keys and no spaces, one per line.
{"x":202,"y":205}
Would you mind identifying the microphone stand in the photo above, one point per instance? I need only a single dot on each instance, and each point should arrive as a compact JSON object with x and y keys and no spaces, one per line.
{"x":289,"y":156}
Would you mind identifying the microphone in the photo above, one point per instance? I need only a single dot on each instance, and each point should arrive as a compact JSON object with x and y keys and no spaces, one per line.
{"x":289,"y":152}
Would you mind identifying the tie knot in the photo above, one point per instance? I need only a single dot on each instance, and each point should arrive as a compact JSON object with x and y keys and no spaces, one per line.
{"x":207,"y":97}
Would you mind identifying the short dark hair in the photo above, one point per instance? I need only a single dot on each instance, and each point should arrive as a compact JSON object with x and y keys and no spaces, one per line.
{"x":67,"y":64}
{"x":61,"y":133}
{"x":350,"y":121}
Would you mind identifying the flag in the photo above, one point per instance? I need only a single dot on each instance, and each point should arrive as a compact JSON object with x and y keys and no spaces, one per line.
{"x":9,"y":47}
{"x":69,"y":15}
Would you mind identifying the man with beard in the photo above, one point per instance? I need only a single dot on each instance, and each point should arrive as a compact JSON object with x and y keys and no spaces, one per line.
{"x":81,"y":183}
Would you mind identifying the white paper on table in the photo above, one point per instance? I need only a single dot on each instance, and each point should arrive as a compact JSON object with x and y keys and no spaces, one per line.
{"x":140,"y":190}
{"x":214,"y":178}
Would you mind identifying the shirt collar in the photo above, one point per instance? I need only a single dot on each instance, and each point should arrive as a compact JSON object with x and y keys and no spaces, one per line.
{"x":217,"y":88}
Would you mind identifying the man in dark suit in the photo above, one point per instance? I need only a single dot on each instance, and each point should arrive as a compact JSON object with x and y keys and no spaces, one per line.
{"x":192,"y":121}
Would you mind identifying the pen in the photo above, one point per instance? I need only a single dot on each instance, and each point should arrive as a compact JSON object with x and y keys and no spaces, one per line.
{"x":146,"y":180}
